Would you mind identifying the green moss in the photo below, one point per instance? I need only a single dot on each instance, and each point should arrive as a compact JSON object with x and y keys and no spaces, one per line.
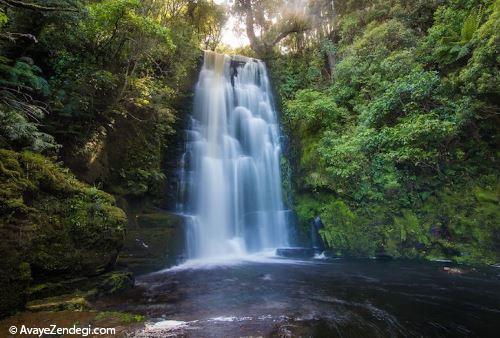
{"x":52,"y":225}
{"x":459,"y":224}
{"x":116,"y":282}
{"x":126,"y":318}
{"x":108,"y":283}
{"x":287,"y":187}
{"x":60,"y":303}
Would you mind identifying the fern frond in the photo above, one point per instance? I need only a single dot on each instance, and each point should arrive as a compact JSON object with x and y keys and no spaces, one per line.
{"x":471,"y":25}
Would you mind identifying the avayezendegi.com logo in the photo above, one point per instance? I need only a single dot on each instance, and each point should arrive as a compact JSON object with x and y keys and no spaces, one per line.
{"x":54,"y":330}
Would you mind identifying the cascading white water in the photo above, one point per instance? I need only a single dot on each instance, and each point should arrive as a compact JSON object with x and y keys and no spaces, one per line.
{"x":230,"y":177}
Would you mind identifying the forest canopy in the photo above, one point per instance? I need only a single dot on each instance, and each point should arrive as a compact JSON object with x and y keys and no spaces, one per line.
{"x":392,"y":120}
{"x":72,"y":70}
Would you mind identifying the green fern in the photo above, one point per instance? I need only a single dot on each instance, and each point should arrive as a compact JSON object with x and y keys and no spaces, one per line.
{"x":471,"y":24}
{"x":3,"y":18}
{"x":23,"y":74}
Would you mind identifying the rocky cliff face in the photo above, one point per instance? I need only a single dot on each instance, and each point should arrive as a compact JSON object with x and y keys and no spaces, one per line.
{"x":154,"y":241}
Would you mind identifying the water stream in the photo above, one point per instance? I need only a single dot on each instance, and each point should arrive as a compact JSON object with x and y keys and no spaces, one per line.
{"x":230,"y":179}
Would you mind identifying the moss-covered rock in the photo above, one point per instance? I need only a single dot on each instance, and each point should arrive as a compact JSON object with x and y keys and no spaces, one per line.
{"x":52,"y":226}
{"x":108,"y":283}
{"x":56,"y":288}
{"x":60,"y":303}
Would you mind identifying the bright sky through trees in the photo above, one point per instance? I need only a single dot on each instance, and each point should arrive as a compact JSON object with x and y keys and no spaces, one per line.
{"x":230,"y":35}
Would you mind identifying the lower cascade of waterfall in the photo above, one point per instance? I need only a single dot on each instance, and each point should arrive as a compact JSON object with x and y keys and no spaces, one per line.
{"x":230,"y":180}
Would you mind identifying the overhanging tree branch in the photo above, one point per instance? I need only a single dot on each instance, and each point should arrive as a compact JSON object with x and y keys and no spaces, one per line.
{"x":14,"y":36}
{"x":297,"y":28}
{"x":271,"y":33}
{"x":34,"y":6}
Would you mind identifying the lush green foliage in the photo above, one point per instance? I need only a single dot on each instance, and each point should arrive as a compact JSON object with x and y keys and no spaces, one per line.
{"x":396,"y":146}
{"x":51,"y":224}
{"x":100,"y":86}
{"x":72,"y":79}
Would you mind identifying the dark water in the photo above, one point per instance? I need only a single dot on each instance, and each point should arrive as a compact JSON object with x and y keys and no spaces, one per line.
{"x":337,"y":298}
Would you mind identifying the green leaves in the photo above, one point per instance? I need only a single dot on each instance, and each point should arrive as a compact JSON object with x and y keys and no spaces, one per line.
{"x":20,"y":113}
{"x":455,"y":32}
{"x":22,"y":74}
{"x":415,"y":140}
{"x":406,"y":126}
{"x":481,"y":76}
{"x":471,"y":24}
{"x":20,"y":133}
{"x":111,"y":23}
{"x":408,"y":95}
{"x":3,"y":18}
{"x":310,"y":110}
{"x":344,"y":232}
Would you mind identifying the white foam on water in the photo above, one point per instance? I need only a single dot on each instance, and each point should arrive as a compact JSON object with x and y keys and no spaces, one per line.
{"x":226,"y":261}
{"x":214,"y":262}
{"x":224,"y":319}
{"x":320,"y":256}
{"x":166,"y":325}
{"x":267,"y":277}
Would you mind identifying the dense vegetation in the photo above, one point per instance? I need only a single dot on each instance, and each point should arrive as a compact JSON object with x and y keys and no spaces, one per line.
{"x":395,"y":143}
{"x":52,"y":225}
{"x":96,"y":88}
{"x":390,"y":108}
{"x":74,"y":75}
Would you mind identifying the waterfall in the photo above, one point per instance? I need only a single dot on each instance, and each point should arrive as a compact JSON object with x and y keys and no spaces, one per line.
{"x":230,"y":180}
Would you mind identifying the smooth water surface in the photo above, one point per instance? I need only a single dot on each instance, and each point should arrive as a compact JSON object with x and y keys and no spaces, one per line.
{"x":317,"y":298}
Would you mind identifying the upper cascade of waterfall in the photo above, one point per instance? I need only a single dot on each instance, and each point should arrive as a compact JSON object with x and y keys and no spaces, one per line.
{"x":230,"y":181}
